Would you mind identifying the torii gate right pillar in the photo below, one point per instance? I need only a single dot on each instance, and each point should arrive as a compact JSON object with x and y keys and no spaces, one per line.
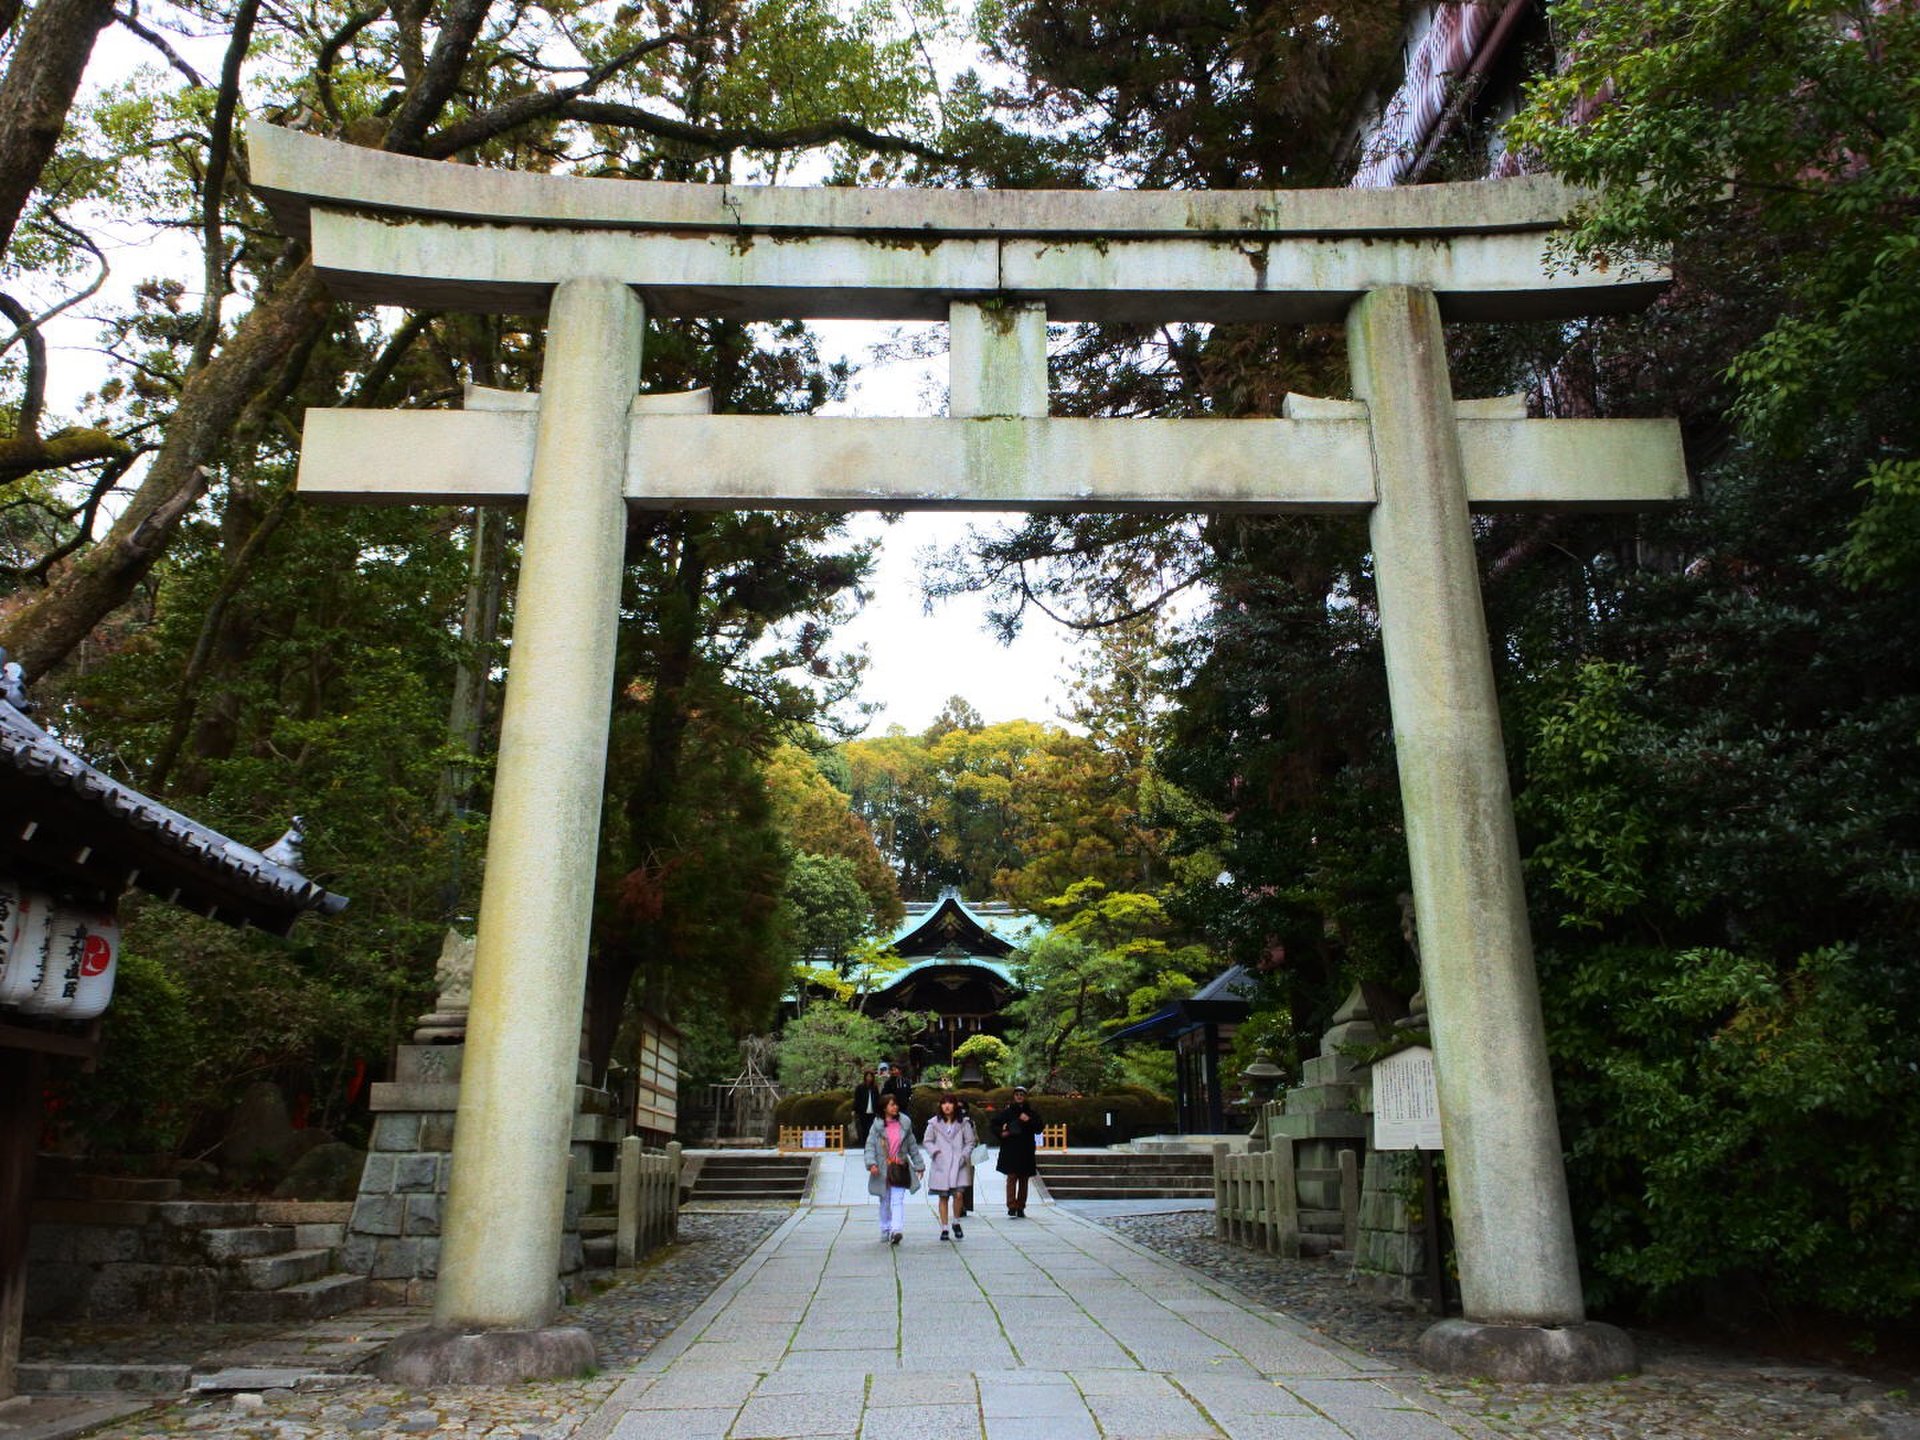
{"x":1525,"y":1319}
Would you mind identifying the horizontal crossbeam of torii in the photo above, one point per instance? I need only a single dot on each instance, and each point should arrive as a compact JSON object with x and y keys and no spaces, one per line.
{"x":597,"y":255}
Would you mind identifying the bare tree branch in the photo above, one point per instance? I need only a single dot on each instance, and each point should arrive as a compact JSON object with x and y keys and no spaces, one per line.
{"x":522,"y":109}
{"x":748,"y":137}
{"x":33,"y":398}
{"x":128,"y":21}
{"x":213,"y":188}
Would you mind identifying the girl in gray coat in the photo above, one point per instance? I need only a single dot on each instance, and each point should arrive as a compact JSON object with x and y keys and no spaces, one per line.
{"x":949,"y":1143}
{"x":895,"y":1163}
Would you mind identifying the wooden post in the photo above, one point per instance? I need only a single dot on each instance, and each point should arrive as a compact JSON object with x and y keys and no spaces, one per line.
{"x":673,"y":1189}
{"x":1220,"y":1192}
{"x":1275,"y":1202}
{"x":1349,"y":1201}
{"x":1289,"y":1200}
{"x":22,"y":1077}
{"x":626,"y":1229}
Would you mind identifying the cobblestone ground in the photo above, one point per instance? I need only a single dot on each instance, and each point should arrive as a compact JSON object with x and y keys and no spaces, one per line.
{"x":626,"y":1321}
{"x":1685,"y":1392}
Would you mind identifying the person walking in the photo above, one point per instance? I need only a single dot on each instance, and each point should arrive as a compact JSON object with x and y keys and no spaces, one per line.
{"x":866,"y":1104}
{"x":1017,"y":1127}
{"x":949,"y":1144}
{"x":895,"y":1083}
{"x":895,"y":1163}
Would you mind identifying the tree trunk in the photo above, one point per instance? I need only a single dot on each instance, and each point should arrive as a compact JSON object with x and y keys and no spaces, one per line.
{"x":50,"y":624}
{"x":37,"y":92}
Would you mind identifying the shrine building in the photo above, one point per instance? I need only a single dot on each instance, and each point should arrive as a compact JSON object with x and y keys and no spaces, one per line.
{"x":956,"y":954}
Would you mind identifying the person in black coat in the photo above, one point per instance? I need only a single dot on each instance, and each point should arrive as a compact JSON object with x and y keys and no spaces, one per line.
{"x":895,"y":1083}
{"x":1017,"y":1128}
{"x":866,"y":1104}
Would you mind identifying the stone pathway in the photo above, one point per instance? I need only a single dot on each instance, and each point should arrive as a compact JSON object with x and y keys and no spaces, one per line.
{"x":626,"y":1321}
{"x":1140,"y":1327}
{"x":1687,"y":1392}
{"x":1049,"y":1328}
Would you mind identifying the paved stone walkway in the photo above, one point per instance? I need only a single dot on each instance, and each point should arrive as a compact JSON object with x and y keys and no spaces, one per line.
{"x":1049,"y":1328}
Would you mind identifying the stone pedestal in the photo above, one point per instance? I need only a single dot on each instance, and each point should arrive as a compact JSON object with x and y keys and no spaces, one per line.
{"x":1321,"y":1119}
{"x":394,"y":1235}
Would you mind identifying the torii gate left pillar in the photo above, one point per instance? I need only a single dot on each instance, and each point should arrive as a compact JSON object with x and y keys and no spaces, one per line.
{"x":997,"y":266}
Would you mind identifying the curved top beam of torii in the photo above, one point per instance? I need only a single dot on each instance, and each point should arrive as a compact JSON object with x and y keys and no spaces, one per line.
{"x":392,"y":229}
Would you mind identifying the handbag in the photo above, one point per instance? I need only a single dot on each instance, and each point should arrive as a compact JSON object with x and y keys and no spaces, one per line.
{"x":897,"y":1174}
{"x":977,"y":1157}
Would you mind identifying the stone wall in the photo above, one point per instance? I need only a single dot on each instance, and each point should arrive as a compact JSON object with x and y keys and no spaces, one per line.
{"x":394,"y":1235}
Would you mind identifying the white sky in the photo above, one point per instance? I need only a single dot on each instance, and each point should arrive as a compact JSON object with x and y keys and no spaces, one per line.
{"x":919,"y":659}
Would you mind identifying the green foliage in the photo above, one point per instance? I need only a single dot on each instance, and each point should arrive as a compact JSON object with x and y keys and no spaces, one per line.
{"x":826,"y":910}
{"x":828,"y":1046}
{"x":1734,"y":1119}
{"x":994,"y":1055}
{"x":142,"y":1097}
{"x":1794,"y":126}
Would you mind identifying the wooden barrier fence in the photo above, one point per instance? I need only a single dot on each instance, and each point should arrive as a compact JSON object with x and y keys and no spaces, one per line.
{"x":646,"y":1190}
{"x":808,"y":1139}
{"x":1052,"y":1137}
{"x":1255,"y":1200}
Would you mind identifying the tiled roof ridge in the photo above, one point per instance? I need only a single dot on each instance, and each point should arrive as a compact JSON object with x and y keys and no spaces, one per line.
{"x":29,"y":750}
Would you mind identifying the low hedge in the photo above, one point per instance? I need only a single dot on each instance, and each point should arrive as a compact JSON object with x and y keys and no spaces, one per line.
{"x":1133,"y":1111}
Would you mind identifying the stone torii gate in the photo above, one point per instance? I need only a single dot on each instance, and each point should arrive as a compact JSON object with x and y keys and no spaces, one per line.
{"x":598,"y":255}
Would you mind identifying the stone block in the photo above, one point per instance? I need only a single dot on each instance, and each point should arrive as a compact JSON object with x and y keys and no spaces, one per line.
{"x":415,"y":1173}
{"x":377,"y":1177}
{"x":1326,"y":1124}
{"x":1311,"y":1099}
{"x":426,"y":1359}
{"x":134,"y":1292}
{"x":591,"y":1100}
{"x":429,"y":1263}
{"x":436,"y":1132}
{"x":388,"y":1096}
{"x":573,"y":1255}
{"x":379,"y":1215}
{"x":1328,"y":1070}
{"x":356,"y":1256}
{"x":396,"y":1259}
{"x":432,"y":1064}
{"x":396,"y":1132}
{"x":423,"y":1214}
{"x":319,"y":1237}
{"x":82,"y":1244}
{"x":59,"y":1290}
{"x":603,"y":1129}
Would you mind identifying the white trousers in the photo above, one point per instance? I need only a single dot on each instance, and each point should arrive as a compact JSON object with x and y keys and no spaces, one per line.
{"x":893,"y":1210}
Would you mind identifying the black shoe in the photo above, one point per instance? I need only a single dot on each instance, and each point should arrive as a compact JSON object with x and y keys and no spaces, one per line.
{"x":958,"y":1233}
{"x":945,"y":1236}
{"x":896,"y":1238}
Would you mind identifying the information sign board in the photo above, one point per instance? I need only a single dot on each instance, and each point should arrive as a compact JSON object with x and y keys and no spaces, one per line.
{"x":1406,"y":1102}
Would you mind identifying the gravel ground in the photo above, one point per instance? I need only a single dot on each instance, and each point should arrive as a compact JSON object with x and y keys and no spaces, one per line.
{"x":1685,"y":1392}
{"x":626,"y":1321}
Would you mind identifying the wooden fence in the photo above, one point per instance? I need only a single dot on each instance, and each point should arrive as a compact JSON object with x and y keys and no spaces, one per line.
{"x":1256,"y":1199}
{"x":646,"y":1188}
{"x":810,"y":1139}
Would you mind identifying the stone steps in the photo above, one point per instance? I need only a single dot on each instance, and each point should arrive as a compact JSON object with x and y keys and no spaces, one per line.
{"x":288,"y":1268}
{"x":752,"y":1177}
{"x":1121,"y":1175}
{"x":309,"y":1300}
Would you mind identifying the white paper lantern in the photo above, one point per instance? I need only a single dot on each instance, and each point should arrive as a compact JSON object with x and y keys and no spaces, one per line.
{"x":99,"y":964}
{"x":26,"y":953}
{"x":82,"y":951}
